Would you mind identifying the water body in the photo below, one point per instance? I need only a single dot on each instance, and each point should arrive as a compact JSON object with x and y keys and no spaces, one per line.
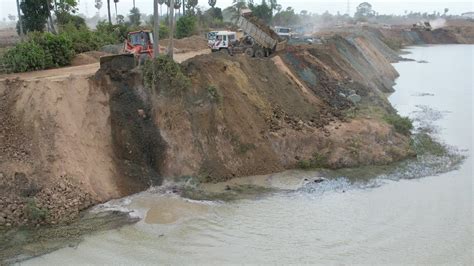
{"x":414,"y":220}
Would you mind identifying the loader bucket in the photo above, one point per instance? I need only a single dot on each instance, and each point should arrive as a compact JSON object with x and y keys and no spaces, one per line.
{"x":117,"y":62}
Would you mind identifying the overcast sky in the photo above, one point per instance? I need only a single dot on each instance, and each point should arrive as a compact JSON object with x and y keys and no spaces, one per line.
{"x":315,"y":6}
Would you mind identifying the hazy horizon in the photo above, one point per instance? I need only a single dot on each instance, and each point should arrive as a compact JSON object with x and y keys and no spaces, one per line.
{"x":87,"y":8}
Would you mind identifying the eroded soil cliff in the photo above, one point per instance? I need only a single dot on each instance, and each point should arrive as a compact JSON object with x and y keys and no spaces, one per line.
{"x":72,"y":140}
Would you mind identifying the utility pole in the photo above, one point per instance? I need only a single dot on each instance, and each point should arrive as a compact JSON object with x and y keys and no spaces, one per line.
{"x":156,"y":30}
{"x":171,"y":45}
{"x":20,"y":20}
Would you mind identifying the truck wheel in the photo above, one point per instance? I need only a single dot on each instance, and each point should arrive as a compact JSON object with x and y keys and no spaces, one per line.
{"x":259,"y":53}
{"x":249,"y":52}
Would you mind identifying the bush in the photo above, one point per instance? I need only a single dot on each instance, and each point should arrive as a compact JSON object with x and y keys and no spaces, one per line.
{"x":185,"y":27}
{"x":33,"y":212}
{"x":402,"y":125}
{"x":164,"y":31}
{"x":165,"y":72}
{"x":25,"y":56}
{"x":118,"y":32}
{"x":58,"y":49}
{"x":84,"y":40}
{"x":65,"y":18}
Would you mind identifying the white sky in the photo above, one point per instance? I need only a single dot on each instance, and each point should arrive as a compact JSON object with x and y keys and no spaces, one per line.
{"x":315,"y":6}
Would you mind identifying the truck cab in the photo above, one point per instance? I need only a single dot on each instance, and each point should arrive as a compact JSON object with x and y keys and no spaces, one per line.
{"x":283,"y":32}
{"x":222,"y":40}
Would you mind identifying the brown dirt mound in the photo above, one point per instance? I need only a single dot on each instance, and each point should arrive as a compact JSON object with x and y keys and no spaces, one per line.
{"x":246,"y":116}
{"x":189,"y":44}
{"x":87,"y":58}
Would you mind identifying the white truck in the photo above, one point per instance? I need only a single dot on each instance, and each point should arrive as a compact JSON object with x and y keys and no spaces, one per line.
{"x":221,"y":40}
{"x":283,"y":32}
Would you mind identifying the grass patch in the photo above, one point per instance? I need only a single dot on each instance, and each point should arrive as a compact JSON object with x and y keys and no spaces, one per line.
{"x":402,"y":125}
{"x":166,"y":76}
{"x":213,"y":94}
{"x":34,"y":212}
{"x":424,"y":144}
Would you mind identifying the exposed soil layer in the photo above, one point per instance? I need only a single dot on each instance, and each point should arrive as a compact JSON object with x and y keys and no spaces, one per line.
{"x":71,"y":140}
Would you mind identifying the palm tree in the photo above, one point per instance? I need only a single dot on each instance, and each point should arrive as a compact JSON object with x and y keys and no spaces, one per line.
{"x":116,"y":1}
{"x":161,"y":2}
{"x":108,"y":12}
{"x":212,"y":3}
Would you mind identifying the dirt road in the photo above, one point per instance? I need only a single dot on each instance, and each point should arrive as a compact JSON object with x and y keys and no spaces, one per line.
{"x":84,"y":70}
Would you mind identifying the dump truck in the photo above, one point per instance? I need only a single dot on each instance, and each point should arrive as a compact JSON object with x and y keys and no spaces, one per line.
{"x":265,"y":40}
{"x":422,"y":26}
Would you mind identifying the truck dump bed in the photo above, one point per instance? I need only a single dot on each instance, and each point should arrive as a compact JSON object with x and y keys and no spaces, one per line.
{"x":260,"y":36}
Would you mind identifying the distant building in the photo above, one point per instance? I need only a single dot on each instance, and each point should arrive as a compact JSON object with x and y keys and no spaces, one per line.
{"x":468,"y":15}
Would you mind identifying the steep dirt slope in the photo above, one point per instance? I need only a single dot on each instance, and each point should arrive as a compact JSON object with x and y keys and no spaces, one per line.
{"x":246,"y":116}
{"x":57,"y":151}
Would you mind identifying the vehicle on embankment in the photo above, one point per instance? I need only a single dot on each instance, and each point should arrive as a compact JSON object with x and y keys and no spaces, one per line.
{"x":260,"y":40}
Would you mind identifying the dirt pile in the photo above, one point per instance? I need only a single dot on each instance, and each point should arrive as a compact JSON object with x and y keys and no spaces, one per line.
{"x":68,"y":143}
{"x":188,"y":44}
{"x":87,"y":58}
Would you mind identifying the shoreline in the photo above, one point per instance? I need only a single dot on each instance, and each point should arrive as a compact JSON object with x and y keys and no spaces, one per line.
{"x":286,"y":130}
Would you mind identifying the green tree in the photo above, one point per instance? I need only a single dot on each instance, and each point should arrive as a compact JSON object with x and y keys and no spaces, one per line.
{"x":185,"y":26}
{"x":287,"y":17}
{"x":35,"y":15}
{"x":262,"y":11}
{"x":212,"y":3}
{"x":364,"y":10}
{"x":69,"y":6}
{"x":65,"y":18}
{"x":237,"y":6}
{"x":191,"y":6}
{"x":98,"y":5}
{"x":273,"y":5}
{"x":134,"y":16}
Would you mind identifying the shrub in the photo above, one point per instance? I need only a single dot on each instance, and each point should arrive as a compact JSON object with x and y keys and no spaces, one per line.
{"x":34,"y":212}
{"x":213,"y":94}
{"x":25,"y":56}
{"x":185,"y":27}
{"x":164,"y":31}
{"x":57,"y":48}
{"x":84,"y":40}
{"x":402,"y":125}
{"x":65,"y":18}
{"x":165,"y":73}
{"x":118,"y":32}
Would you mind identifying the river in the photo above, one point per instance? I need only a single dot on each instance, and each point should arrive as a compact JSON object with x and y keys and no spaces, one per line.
{"x":387,"y":220}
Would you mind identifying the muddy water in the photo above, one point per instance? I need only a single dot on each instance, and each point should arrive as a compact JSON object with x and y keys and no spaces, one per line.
{"x":342,"y":220}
